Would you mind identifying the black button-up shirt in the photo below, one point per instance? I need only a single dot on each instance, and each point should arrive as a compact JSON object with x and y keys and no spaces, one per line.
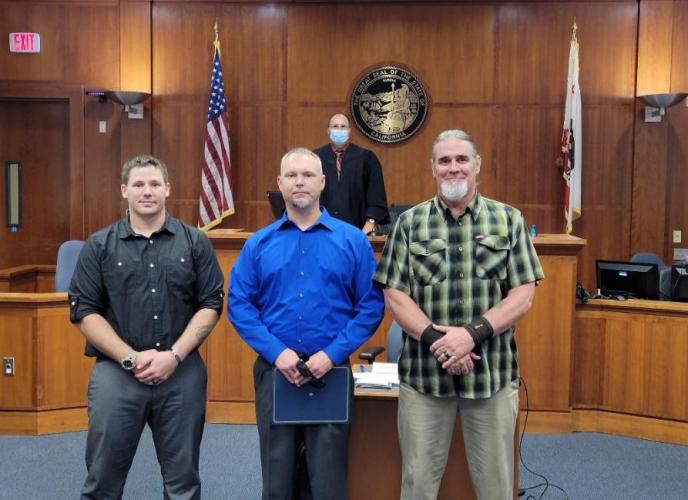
{"x":146,"y":288}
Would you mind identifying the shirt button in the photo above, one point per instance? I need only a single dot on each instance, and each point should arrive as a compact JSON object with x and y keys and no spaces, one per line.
{"x":460,"y":249}
{"x":157,"y":344}
{"x":460,"y":275}
{"x":301,"y":273}
{"x":300,"y":294}
{"x":155,"y":317}
{"x":74,"y":303}
{"x":300,"y":317}
{"x":153,"y":290}
{"x":182,"y":259}
{"x":151,"y":264}
{"x":119,"y":264}
{"x":299,"y":341}
{"x":150,"y":242}
{"x":303,"y":252}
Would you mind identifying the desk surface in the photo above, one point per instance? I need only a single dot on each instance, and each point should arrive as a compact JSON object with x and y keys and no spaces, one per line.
{"x":637,"y":305}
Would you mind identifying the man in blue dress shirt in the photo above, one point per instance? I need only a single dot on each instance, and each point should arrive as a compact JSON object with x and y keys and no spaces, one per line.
{"x":301,"y":289}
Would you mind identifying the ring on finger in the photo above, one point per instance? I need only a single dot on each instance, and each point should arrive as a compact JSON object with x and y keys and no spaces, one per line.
{"x":447,"y":355}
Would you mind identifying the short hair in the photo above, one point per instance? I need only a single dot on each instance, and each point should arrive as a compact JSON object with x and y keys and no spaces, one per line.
{"x":300,"y":152}
{"x":144,"y":161}
{"x":348,"y":121}
{"x":454,"y":134}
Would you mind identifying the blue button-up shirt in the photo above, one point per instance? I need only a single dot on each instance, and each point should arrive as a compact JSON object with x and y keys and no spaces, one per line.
{"x":306,"y":290}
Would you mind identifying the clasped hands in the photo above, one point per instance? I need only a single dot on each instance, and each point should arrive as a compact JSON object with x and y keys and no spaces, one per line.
{"x":154,"y":367}
{"x":454,"y":350}
{"x":318,"y":364}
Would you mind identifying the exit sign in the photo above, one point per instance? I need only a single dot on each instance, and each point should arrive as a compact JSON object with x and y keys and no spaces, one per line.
{"x":25,"y":42}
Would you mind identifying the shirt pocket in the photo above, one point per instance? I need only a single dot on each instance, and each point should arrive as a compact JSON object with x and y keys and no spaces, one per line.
{"x":429,"y":261}
{"x":180,"y":274}
{"x":121,"y":277}
{"x":491,"y":256}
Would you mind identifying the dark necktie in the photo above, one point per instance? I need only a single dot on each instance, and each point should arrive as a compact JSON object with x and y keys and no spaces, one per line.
{"x":339,"y":155}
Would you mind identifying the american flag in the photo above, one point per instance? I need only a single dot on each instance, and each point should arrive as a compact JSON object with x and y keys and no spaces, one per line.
{"x":571,"y":139}
{"x":216,"y":201}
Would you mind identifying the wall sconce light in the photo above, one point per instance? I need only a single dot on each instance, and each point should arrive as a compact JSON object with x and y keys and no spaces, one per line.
{"x":132,"y":101}
{"x":655,"y":104}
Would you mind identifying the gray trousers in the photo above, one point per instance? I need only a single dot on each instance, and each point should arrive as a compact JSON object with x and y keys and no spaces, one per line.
{"x":118,"y":408}
{"x":326,"y":450}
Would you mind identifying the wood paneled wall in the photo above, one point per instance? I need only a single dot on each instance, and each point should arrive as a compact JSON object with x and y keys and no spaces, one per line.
{"x":496,"y":69}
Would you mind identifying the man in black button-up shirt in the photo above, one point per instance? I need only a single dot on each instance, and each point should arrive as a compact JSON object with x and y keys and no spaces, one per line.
{"x":146,"y":292}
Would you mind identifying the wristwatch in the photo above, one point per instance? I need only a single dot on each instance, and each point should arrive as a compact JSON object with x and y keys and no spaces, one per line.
{"x":129,"y":362}
{"x":370,"y":221}
{"x":177,"y":358}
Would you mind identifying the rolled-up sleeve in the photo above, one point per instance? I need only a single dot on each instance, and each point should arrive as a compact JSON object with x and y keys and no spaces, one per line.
{"x":209,"y":279}
{"x":86,"y":290}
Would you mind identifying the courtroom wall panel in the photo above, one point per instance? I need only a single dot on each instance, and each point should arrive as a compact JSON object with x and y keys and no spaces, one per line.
{"x":677,"y":177}
{"x":79,"y":42}
{"x":497,"y":69}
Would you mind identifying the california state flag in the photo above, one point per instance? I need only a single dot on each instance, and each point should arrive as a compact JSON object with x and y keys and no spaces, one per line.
{"x":571,"y":139}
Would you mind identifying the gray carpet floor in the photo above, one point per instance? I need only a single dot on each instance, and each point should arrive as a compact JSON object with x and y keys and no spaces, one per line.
{"x":587,"y":466}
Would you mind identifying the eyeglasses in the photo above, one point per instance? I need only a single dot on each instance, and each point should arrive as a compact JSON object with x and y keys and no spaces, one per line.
{"x":305,"y":372}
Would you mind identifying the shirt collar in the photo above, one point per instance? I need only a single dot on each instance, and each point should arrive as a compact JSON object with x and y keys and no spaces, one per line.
{"x":325,"y":220}
{"x":473,"y":208}
{"x":343,"y":149}
{"x":171,"y":225}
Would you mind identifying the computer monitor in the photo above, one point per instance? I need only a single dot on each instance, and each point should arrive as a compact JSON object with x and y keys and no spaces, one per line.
{"x":679,"y":283}
{"x":276,"y":203}
{"x":628,"y":279}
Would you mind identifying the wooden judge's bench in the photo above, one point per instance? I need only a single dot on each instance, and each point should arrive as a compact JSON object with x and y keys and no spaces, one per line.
{"x":604,"y":366}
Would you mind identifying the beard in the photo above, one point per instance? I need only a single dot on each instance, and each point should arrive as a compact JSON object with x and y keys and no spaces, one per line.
{"x":454,"y":191}
{"x":302,"y":202}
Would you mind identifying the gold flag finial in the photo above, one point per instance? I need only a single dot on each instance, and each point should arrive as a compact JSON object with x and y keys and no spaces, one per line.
{"x":216,"y":43}
{"x":574,"y":29}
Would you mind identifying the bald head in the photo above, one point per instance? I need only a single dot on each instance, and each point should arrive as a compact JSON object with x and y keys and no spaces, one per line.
{"x":338,"y":121}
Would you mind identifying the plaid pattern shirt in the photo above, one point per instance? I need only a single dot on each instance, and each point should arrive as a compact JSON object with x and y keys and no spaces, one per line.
{"x":456,"y":270}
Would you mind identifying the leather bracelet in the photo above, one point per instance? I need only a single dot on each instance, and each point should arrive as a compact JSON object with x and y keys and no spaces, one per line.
{"x":430,"y":335}
{"x":176,"y":356}
{"x":479,"y":330}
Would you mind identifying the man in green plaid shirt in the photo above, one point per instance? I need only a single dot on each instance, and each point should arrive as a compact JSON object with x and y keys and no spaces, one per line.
{"x":459,"y":271}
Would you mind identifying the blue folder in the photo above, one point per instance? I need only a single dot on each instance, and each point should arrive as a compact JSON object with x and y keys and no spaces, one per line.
{"x":308,"y":405}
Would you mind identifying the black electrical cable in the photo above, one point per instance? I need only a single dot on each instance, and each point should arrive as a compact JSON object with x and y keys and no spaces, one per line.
{"x":546,"y":483}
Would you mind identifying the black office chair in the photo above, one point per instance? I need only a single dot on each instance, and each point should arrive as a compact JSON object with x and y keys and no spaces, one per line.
{"x":394,"y":345}
{"x":394,"y":212}
{"x":664,"y":271}
{"x":67,"y":257}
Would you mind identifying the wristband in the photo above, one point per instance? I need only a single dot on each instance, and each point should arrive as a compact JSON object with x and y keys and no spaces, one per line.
{"x":479,"y":330}
{"x":430,"y":335}
{"x":176,"y":356}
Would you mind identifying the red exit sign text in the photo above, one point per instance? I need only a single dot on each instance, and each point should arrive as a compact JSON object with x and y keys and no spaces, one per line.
{"x":25,"y":42}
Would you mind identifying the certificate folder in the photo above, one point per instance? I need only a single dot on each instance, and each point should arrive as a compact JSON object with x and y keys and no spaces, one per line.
{"x":308,"y":405}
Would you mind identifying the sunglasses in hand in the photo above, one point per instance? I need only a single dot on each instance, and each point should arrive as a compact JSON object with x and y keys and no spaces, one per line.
{"x":305,"y":372}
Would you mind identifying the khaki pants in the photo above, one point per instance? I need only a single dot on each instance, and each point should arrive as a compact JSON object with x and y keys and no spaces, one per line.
{"x":426,"y":425}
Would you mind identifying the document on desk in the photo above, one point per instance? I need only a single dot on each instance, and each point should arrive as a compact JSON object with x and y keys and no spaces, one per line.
{"x":381,"y":376}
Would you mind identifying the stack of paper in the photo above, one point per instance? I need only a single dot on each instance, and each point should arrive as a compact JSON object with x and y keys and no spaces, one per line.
{"x":382,"y":376}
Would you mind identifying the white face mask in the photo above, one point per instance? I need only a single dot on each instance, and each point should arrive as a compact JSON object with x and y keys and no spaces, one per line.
{"x":339,"y":136}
